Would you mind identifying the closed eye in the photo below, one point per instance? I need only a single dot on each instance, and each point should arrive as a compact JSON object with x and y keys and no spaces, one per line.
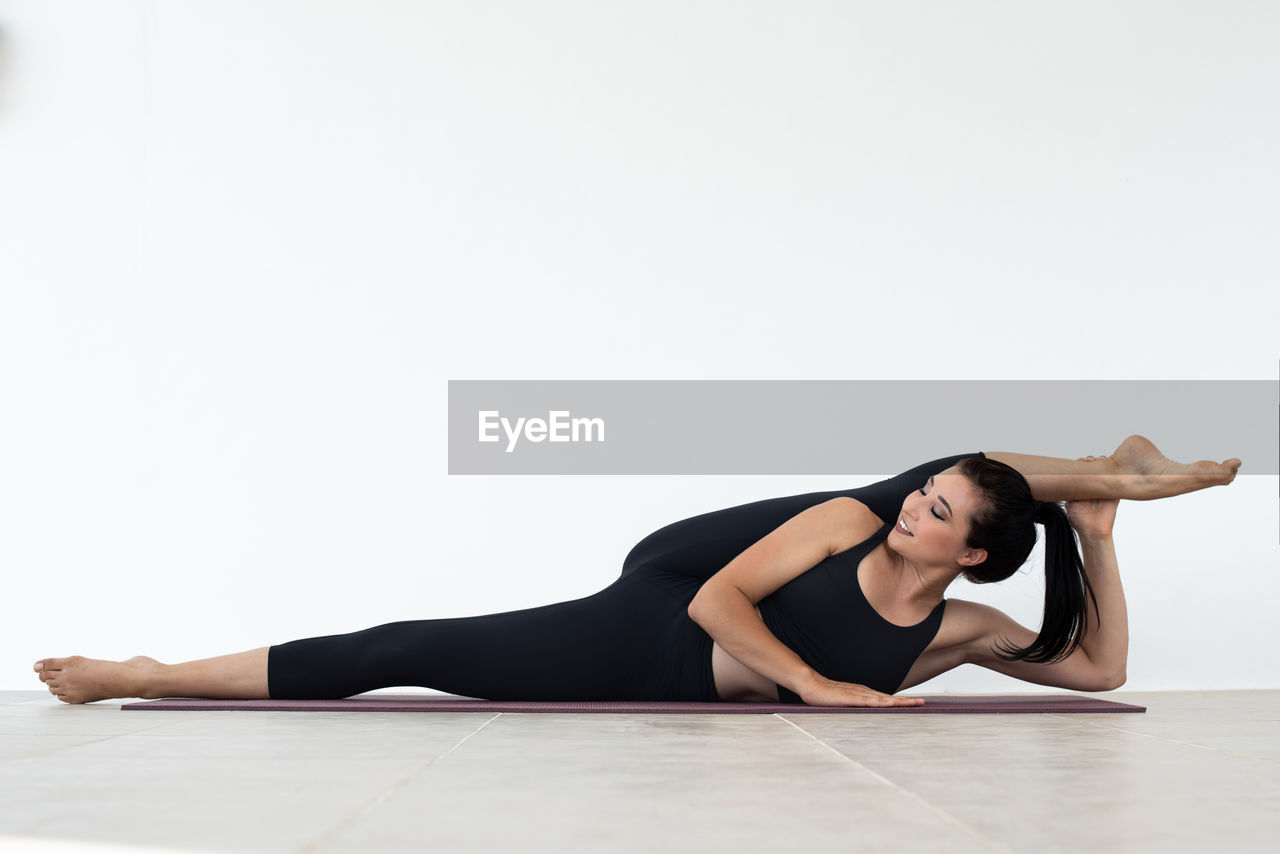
{"x":931,"y":509}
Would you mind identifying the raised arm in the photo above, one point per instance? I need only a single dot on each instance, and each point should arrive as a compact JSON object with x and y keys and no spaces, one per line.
{"x":1099,"y":663}
{"x":1107,"y":644}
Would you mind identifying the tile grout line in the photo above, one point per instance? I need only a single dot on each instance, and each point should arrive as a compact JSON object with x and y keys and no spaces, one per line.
{"x":1165,"y":738}
{"x":993,"y":844}
{"x":49,"y":750}
{"x":391,"y":790}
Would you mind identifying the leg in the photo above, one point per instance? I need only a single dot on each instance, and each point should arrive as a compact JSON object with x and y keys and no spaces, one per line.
{"x":614,"y":645}
{"x":76,"y":679}
{"x":1136,"y":470}
{"x":239,"y":676}
{"x":607,"y":646}
{"x":536,"y":653}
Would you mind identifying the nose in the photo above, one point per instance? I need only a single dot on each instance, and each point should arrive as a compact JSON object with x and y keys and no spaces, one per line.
{"x":908,"y":510}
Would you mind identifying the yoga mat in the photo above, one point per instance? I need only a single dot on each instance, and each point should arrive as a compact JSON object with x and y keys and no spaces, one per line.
{"x":944,"y":704}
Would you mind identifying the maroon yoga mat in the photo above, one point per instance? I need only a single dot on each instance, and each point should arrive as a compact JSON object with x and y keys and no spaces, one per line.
{"x":941,"y":703}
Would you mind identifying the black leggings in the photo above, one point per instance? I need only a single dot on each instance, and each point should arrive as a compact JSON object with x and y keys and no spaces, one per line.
{"x":631,"y":641}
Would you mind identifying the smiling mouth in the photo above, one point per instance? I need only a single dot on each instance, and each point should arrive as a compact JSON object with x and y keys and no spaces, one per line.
{"x":902,"y":528}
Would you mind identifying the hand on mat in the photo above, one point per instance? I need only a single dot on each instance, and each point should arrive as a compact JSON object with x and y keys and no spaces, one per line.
{"x":822,"y":691}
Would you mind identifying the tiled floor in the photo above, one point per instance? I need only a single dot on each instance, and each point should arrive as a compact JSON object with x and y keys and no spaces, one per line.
{"x":1197,"y":772}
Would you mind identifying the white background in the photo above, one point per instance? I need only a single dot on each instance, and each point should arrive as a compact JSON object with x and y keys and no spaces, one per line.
{"x":245,"y":245}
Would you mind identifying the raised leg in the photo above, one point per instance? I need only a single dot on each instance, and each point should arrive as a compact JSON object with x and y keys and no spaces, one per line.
{"x":1060,"y":479}
{"x":1136,"y":470}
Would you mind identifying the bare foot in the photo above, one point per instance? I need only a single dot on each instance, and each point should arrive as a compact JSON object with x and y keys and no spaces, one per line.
{"x":85,"y":680}
{"x":1160,"y":477}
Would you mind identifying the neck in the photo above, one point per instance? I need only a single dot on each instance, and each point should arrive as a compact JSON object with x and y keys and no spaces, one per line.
{"x":922,"y":583}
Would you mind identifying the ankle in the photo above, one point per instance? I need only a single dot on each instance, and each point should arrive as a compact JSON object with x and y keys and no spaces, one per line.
{"x":1122,"y":481}
{"x":152,"y":681}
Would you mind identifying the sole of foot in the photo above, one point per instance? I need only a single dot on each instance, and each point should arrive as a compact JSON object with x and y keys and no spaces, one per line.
{"x":1162,"y":477}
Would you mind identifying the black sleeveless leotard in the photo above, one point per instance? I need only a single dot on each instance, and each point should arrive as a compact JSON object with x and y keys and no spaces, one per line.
{"x":634,"y":640}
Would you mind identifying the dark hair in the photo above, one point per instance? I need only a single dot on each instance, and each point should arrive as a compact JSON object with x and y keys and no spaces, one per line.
{"x":1003,"y":523}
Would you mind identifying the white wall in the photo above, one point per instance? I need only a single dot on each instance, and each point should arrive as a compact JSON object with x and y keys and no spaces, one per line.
{"x":244,"y":245}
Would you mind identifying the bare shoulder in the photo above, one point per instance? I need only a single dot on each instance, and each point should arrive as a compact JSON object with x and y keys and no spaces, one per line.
{"x":977,"y":630}
{"x":961,"y":639}
{"x":857,"y":522}
{"x":966,"y":628}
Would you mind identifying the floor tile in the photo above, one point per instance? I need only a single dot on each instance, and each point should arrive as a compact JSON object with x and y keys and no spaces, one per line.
{"x":1197,"y":772}
{"x":670,"y":783}
{"x":1053,"y":772}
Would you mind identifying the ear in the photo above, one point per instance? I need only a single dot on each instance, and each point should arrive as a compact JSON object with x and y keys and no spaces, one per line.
{"x":972,"y":557}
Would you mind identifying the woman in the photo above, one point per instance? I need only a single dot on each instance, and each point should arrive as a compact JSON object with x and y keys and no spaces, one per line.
{"x":827,"y":598}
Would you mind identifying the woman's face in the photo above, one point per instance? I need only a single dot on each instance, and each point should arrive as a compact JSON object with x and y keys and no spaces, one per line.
{"x":936,"y":517}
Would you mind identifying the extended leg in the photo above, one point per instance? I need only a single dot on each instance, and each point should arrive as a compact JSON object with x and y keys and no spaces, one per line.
{"x":1136,"y":470}
{"x":241,"y":675}
{"x":615,"y":644}
{"x":548,"y":652}
{"x":76,"y":679}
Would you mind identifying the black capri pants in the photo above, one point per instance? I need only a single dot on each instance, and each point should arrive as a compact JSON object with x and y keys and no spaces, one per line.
{"x":631,"y":641}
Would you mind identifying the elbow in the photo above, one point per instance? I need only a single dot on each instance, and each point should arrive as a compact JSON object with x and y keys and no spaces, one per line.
{"x":714,"y":604}
{"x":697,"y":608}
{"x":706,"y":605}
{"x":1113,"y":682}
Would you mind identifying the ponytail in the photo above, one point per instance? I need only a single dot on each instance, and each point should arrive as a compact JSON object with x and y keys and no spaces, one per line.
{"x":1066,"y":583}
{"x":1004,"y":525}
